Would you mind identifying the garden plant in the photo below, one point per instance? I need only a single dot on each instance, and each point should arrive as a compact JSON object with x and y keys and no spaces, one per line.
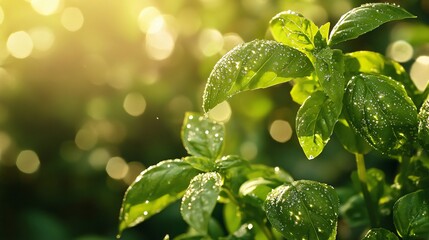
{"x":364,"y":98}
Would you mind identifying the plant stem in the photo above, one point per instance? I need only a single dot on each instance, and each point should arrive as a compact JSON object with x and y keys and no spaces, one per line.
{"x":266,"y":230}
{"x":370,"y":206}
{"x":403,"y":170}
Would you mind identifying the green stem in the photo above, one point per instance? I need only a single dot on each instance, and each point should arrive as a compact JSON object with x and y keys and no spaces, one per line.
{"x":266,"y":230}
{"x":405,"y":163}
{"x":370,"y":206}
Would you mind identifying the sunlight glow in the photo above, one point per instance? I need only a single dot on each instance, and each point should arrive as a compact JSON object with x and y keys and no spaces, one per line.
{"x":117,"y":168}
{"x":210,"y":42}
{"x":72,"y":19}
{"x":134,"y":104}
{"x":134,"y":169}
{"x":98,"y":158}
{"x":97,"y":108}
{"x":1,"y":15}
{"x":221,"y":113}
{"x":147,"y":17}
{"x":45,"y":7}
{"x":419,"y":72}
{"x":400,"y":51}
{"x":248,"y":150}
{"x":19,"y":44}
{"x":43,"y":38}
{"x":28,"y":161}
{"x":281,"y":131}
{"x":230,"y":41}
{"x":86,"y":138}
{"x":160,"y":39}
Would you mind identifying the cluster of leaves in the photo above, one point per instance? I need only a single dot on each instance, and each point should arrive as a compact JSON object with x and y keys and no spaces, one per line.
{"x":253,"y":194}
{"x":367,"y":100}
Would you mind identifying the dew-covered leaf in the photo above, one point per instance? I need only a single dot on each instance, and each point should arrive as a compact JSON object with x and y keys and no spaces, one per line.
{"x":379,"y":109}
{"x":329,"y":66}
{"x":315,"y":123}
{"x":201,"y":163}
{"x":294,"y":30}
{"x":303,"y":210}
{"x":380,"y":234}
{"x":365,"y":18}
{"x":350,"y":140}
{"x":424,"y":125}
{"x":376,"y":63}
{"x":153,"y":190}
{"x":202,"y":136}
{"x":411,"y":215}
{"x":200,"y":199}
{"x":254,"y":65}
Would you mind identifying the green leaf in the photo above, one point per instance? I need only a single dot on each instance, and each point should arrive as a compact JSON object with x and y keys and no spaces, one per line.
{"x":365,"y":18}
{"x":245,"y":232}
{"x":372,"y":62}
{"x":201,"y":163}
{"x":379,"y":109}
{"x":315,"y":123}
{"x":423,"y":132}
{"x":380,"y":234}
{"x":255,"y":191}
{"x":294,"y":30}
{"x":153,"y":190}
{"x":232,"y":217}
{"x":303,"y":210}
{"x":329,"y":68}
{"x":202,"y":136}
{"x":254,"y":65}
{"x":303,"y":88}
{"x":411,"y":215}
{"x":354,"y":211}
{"x":274,"y":174}
{"x":350,"y":140}
{"x":324,"y":31}
{"x":234,"y":170}
{"x":200,"y":199}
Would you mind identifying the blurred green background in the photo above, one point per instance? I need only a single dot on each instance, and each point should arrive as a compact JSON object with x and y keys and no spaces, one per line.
{"x":93,"y":92}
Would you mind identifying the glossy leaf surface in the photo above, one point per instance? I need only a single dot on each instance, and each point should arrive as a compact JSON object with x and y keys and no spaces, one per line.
{"x":379,"y":109}
{"x":329,"y":68}
{"x":200,"y":199}
{"x":303,"y":210}
{"x":365,"y":18}
{"x":153,"y":190}
{"x":315,"y":123}
{"x":202,"y":136}
{"x":294,"y":30}
{"x":424,"y":125}
{"x":201,"y":163}
{"x":372,"y":62}
{"x":254,"y":65}
{"x":380,"y":234}
{"x":411,"y":215}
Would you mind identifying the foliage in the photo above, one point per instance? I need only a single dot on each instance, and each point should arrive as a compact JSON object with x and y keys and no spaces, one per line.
{"x":369,"y":106}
